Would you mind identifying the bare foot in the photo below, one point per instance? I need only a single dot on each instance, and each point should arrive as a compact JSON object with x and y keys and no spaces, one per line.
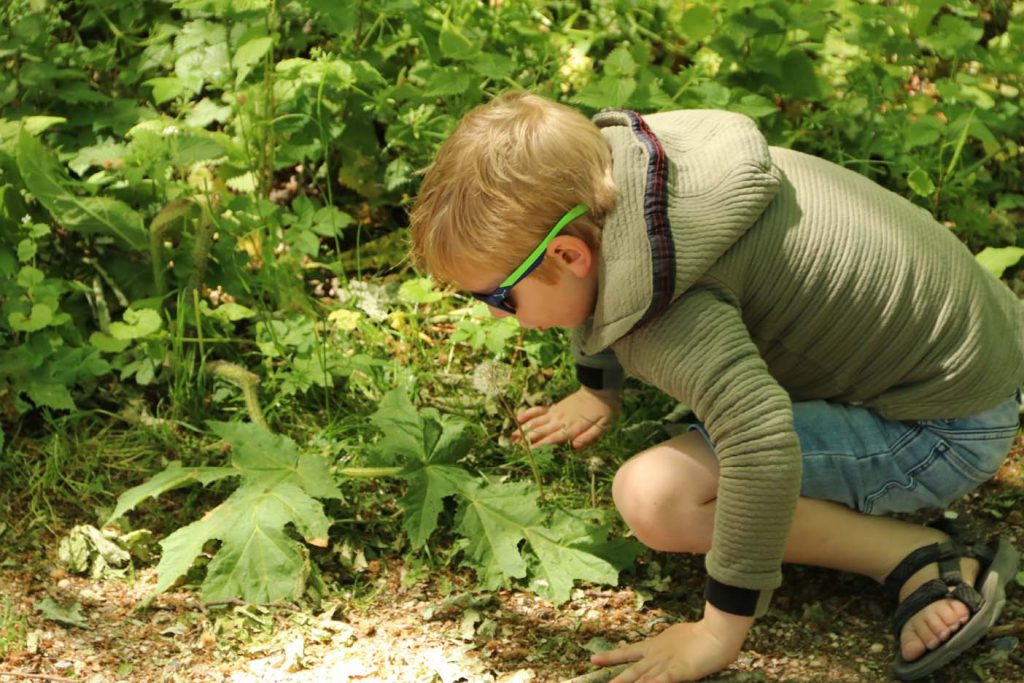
{"x":936,"y":623}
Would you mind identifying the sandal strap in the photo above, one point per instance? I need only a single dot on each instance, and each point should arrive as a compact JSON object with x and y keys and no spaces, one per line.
{"x":929,"y":592}
{"x":960,"y":534}
{"x":947,"y":554}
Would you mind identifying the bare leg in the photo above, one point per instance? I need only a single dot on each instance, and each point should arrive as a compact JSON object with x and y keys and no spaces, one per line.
{"x":667,"y":496}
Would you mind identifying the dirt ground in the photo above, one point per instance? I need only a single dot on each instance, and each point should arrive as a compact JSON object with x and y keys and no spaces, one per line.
{"x":404,"y":626}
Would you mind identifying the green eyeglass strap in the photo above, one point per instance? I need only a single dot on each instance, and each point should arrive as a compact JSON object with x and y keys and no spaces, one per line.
{"x":571,"y":215}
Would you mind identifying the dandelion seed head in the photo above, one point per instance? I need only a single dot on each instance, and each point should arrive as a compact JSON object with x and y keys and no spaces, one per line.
{"x":490,"y":378}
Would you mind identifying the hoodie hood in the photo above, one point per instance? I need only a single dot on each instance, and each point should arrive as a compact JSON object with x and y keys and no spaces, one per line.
{"x":690,"y":184}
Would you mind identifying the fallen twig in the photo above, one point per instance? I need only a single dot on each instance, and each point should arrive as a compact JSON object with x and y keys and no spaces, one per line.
{"x":40,"y":677}
{"x":1015,"y":628}
{"x":599,"y":676}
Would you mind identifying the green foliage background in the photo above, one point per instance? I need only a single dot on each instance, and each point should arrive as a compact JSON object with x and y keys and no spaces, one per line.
{"x":197,"y":180}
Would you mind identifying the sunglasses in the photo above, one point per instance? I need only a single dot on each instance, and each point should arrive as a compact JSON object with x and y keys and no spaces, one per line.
{"x":498,"y":298}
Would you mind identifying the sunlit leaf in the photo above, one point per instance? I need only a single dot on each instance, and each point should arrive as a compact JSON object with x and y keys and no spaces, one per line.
{"x":45,"y":178}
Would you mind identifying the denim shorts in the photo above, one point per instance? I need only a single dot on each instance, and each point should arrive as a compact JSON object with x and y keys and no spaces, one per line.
{"x":853,"y":456}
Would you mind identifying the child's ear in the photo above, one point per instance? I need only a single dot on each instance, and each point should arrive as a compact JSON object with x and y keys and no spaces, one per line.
{"x":572,"y":253}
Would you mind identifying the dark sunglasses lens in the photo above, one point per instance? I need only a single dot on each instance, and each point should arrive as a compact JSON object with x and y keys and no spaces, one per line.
{"x":494,"y":299}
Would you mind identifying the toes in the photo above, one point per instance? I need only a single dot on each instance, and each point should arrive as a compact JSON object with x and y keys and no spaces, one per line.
{"x":931,"y":627}
{"x":911,"y":644}
{"x":952,"y":614}
{"x":939,"y":619}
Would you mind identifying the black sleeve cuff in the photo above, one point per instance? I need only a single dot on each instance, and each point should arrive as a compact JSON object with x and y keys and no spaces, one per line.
{"x":743,"y":602}
{"x":600,"y":378}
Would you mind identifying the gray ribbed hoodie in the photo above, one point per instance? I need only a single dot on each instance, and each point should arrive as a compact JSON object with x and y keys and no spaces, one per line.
{"x":739,"y":277}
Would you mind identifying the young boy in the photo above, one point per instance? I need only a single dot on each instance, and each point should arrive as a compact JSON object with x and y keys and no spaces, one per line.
{"x":846,"y":355}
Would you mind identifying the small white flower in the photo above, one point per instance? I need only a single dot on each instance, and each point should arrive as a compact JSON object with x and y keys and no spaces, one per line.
{"x":26,"y":219}
{"x":170,"y":131}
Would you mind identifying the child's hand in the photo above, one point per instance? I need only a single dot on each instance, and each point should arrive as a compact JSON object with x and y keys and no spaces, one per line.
{"x":683,"y":652}
{"x":579,"y":418}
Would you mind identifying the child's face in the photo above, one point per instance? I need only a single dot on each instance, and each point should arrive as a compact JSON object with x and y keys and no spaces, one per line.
{"x":566,"y":302}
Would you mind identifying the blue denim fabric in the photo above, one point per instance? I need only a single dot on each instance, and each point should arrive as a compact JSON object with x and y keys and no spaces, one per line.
{"x":853,"y":456}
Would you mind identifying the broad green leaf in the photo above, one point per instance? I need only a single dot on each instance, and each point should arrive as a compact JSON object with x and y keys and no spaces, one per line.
{"x":925,"y":131}
{"x":38,"y":124}
{"x":419,"y":290}
{"x":492,"y":520}
{"x":329,"y":221}
{"x":429,"y":485}
{"x":953,"y":36}
{"x":205,"y":111}
{"x":798,"y":76}
{"x":712,"y":94}
{"x":29,"y":277}
{"x":920,"y":182}
{"x":45,"y":178}
{"x":257,"y":560}
{"x":492,"y":65}
{"x":448,"y":81}
{"x":227,"y":312}
{"x":249,"y":55}
{"x":997,"y":259}
{"x":697,"y":24}
{"x":49,"y":393}
{"x":402,"y":426}
{"x":166,"y":88}
{"x":925,"y":12}
{"x":755,"y":106}
{"x":173,"y":476}
{"x":435,"y":477}
{"x":454,"y":44}
{"x":559,"y":564}
{"x":271,"y":459}
{"x":107,"y":344}
{"x":137,"y":323}
{"x":620,"y":63}
{"x":104,"y":155}
{"x":496,"y":518}
{"x":191,"y":148}
{"x":41,"y":316}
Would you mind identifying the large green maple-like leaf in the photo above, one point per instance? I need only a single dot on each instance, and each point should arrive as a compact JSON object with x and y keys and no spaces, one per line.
{"x":407,"y":435}
{"x":492,"y":520}
{"x":569,"y":549}
{"x":271,"y":459}
{"x":498,"y":518}
{"x":173,"y":476}
{"x":429,"y":445}
{"x":257,"y":560}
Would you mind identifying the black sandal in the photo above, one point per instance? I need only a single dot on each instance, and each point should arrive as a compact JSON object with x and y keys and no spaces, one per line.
{"x":984,"y":600}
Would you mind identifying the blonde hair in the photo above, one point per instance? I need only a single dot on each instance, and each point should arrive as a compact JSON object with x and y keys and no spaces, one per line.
{"x":510,"y":170}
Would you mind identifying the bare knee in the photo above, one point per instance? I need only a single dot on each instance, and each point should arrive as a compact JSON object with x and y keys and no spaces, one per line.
{"x":665,"y":496}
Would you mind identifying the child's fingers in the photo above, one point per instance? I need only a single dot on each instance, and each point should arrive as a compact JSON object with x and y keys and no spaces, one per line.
{"x":531,"y":427}
{"x":531,"y":413}
{"x":622,"y":655}
{"x":589,"y":434}
{"x":551,"y":432}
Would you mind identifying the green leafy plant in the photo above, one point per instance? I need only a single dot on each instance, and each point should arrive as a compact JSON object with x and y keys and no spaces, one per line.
{"x":278,"y":486}
{"x":193,"y":192}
